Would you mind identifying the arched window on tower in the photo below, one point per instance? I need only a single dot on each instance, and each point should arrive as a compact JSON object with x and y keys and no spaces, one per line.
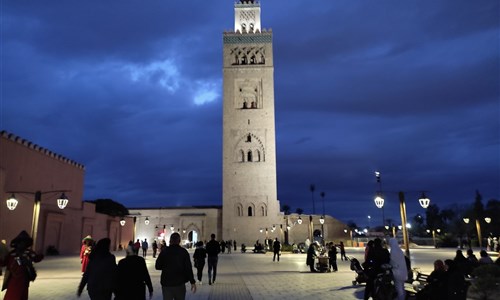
{"x":249,"y":156}
{"x":254,"y":104}
{"x":249,"y":138}
{"x":258,"y":155}
{"x":250,"y":211}
{"x":239,"y":210}
{"x":242,"y":155}
{"x":245,"y":105}
{"x":253,"y":60}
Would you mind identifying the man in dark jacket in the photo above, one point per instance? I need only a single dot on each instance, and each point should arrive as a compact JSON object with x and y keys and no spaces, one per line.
{"x":133,"y":277}
{"x":176,"y":269}
{"x":276,"y":249}
{"x":213,"y":250}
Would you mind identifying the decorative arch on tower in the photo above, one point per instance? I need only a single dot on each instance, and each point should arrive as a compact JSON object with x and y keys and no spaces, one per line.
{"x":262,"y":210}
{"x":249,"y":148}
{"x":239,"y":209}
{"x":254,"y":55}
{"x":251,"y":210}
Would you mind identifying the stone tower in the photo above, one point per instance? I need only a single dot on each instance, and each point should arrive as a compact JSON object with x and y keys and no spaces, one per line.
{"x":249,"y":145}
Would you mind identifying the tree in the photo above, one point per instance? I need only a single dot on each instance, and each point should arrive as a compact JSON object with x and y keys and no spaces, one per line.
{"x":299,"y":211}
{"x":478,"y":209}
{"x":286,"y":209}
{"x":110,"y":207}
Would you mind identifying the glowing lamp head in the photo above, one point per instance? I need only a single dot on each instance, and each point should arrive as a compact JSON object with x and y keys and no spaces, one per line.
{"x":122,"y":222}
{"x":322,"y":220}
{"x":12,"y":202}
{"x":424,"y":201}
{"x":62,"y":201}
{"x":379,"y":201}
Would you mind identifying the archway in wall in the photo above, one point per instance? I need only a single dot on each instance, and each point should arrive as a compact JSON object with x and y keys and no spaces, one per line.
{"x":192,"y":238}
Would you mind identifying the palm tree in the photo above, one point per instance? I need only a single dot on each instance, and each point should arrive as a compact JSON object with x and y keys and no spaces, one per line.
{"x":322,"y":194}
{"x":312,"y":188}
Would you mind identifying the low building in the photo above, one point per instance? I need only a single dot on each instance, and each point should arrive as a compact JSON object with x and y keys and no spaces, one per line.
{"x":34,"y":174}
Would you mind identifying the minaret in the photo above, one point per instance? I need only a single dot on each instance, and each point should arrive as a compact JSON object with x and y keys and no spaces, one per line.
{"x":249,"y":145}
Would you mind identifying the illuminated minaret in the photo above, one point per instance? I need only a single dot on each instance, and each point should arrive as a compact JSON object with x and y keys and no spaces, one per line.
{"x":249,"y":144}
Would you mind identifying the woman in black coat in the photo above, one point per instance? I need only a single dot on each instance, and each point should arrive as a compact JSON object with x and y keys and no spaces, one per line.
{"x":100,"y":275}
{"x":132,"y":279}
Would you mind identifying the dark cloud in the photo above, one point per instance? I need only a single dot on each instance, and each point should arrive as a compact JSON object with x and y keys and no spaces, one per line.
{"x":133,"y":91}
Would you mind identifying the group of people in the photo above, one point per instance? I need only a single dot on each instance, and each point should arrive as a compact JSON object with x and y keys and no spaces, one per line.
{"x":103,"y":277}
{"x":378,"y":258}
{"x":448,"y":279}
{"x":129,"y":279}
{"x":332,"y":249}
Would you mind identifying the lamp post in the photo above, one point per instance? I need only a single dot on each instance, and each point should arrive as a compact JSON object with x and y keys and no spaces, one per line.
{"x":12,"y":202}
{"x":379,"y":201}
{"x":478,"y":228}
{"x":322,"y":219}
{"x":424,"y":202}
{"x":311,"y":236}
{"x":434,"y":235}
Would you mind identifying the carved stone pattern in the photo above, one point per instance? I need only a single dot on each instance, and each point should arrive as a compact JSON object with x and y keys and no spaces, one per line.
{"x":248,"y":55}
{"x":248,"y":39}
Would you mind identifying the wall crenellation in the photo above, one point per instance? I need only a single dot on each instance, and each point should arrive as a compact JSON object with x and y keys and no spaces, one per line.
{"x":40,"y":149}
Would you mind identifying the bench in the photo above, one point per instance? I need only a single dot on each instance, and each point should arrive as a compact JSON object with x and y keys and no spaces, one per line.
{"x":416,"y":285}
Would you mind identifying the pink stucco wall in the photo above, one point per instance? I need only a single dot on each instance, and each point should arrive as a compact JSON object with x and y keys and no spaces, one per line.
{"x":26,"y":168}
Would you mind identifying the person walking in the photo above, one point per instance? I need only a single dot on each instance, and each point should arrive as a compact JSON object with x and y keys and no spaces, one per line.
{"x":85,"y":251}
{"x":100,"y":275}
{"x":176,"y":269}
{"x":132,"y":279}
{"x":20,"y":271}
{"x":234,"y":244}
{"x":332,"y":258}
{"x":342,"y":251}
{"x":213,"y":249}
{"x":199,"y":259}
{"x":145,"y":247}
{"x":311,"y":257}
{"x":155,"y":248}
{"x":137,"y":246}
{"x":276,"y":249}
{"x":399,"y":270}
{"x":4,"y":250}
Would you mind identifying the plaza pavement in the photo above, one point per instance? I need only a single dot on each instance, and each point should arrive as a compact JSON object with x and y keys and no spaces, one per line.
{"x":239,"y":276}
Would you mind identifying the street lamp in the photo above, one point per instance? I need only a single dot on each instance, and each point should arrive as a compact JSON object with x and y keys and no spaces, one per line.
{"x":379,"y":201}
{"x":478,"y":228}
{"x":322,"y":219}
{"x":424,"y":202}
{"x":12,"y":202}
{"x":146,"y":221}
{"x":434,"y":235}
{"x":122,"y":222}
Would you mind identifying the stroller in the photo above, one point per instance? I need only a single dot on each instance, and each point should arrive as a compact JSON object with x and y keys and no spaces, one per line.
{"x":384,"y":284}
{"x":361,"y":276}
